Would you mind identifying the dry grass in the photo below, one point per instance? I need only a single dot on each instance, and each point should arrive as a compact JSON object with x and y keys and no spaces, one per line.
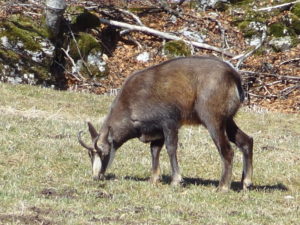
{"x":45,"y":176}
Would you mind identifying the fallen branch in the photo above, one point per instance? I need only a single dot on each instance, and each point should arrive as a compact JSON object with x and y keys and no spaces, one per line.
{"x":243,"y":57}
{"x":285,"y":5}
{"x":135,"y":17}
{"x":263,"y":96}
{"x":162,"y":35}
{"x":285,"y":92}
{"x":290,"y":61}
{"x":66,"y":51}
{"x":282,"y":77}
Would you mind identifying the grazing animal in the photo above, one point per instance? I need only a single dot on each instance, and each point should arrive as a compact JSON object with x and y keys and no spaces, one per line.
{"x":154,"y":103}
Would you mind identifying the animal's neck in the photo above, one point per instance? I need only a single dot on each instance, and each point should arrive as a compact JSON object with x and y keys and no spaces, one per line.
{"x":121,"y":133}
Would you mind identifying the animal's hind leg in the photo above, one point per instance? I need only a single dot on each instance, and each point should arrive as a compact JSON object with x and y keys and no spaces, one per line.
{"x":156,"y":147}
{"x":217,"y":132}
{"x":245,"y":144}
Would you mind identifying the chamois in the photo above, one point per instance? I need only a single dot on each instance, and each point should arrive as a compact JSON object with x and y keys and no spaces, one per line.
{"x":154,"y":103}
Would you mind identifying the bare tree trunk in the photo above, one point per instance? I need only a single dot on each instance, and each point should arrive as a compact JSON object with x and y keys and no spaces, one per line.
{"x":54,"y":18}
{"x":54,"y":15}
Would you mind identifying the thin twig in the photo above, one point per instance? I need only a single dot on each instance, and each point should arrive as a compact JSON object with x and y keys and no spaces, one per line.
{"x":278,"y":6}
{"x":285,"y":92}
{"x":282,"y":77}
{"x":135,"y":17}
{"x":263,"y":96}
{"x":246,"y":55}
{"x":289,"y":61}
{"x":73,"y":63}
{"x":78,"y":50}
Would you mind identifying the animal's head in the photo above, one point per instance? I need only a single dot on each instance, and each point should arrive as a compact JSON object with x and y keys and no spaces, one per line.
{"x":101,"y":152}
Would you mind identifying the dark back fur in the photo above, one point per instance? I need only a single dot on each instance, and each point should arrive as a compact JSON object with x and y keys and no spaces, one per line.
{"x":182,"y":90}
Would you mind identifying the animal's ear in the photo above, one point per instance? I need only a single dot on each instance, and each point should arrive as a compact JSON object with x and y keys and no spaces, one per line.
{"x":93,"y":131}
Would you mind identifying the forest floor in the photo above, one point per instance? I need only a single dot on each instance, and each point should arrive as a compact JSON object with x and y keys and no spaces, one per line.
{"x":266,"y":73}
{"x":266,"y":86}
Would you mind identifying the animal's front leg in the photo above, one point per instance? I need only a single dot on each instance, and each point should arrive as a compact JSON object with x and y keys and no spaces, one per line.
{"x":156,"y":147}
{"x":171,"y":140}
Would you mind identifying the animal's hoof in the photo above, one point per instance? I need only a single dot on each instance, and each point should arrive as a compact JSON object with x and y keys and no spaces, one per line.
{"x":222,"y":189}
{"x":247,"y":184}
{"x":176,"y":181}
{"x":154,"y":180}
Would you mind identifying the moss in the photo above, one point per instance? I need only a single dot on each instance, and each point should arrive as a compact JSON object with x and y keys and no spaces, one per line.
{"x":136,"y":10}
{"x":260,"y":52}
{"x":244,"y":4}
{"x":247,"y":31}
{"x":177,"y":48}
{"x":40,"y":73}
{"x":240,"y":1}
{"x":93,"y":71}
{"x":9,"y":56}
{"x":221,"y":6}
{"x":277,"y":29}
{"x":24,"y":29}
{"x":295,"y":41}
{"x":85,"y":43}
{"x":74,"y":10}
{"x":296,"y":10}
{"x":296,"y":26}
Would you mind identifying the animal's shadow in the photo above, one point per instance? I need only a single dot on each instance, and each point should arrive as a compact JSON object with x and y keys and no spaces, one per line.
{"x":235,"y":186}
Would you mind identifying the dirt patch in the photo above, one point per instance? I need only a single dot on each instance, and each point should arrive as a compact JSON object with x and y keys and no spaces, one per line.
{"x":24,"y":219}
{"x":53,"y":193}
{"x":107,"y":219}
{"x":43,"y":211}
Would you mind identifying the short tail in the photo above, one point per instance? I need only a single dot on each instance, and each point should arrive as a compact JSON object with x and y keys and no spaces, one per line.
{"x":241,"y":92}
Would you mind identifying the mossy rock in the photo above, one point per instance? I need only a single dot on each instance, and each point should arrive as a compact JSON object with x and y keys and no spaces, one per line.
{"x":221,"y":6}
{"x":93,"y":71}
{"x":251,"y":23}
{"x":280,"y":44}
{"x":97,"y":68}
{"x":25,"y":47}
{"x":176,"y":48}
{"x":10,"y":57}
{"x":23,"y":29}
{"x":85,"y":43}
{"x":277,"y":29}
{"x":246,"y":29}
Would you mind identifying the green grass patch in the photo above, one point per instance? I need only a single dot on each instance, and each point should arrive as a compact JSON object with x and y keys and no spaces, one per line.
{"x":45,"y":175}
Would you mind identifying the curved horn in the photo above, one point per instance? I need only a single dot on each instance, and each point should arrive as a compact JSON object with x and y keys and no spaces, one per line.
{"x":82,"y":143}
{"x":96,"y":145}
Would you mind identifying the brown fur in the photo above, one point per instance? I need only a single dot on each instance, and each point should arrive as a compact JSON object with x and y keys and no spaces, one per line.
{"x":154,"y":103}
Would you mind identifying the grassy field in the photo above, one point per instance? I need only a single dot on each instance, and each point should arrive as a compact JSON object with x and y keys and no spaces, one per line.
{"x":45,"y":175}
